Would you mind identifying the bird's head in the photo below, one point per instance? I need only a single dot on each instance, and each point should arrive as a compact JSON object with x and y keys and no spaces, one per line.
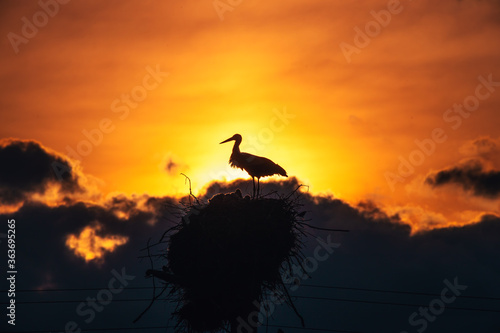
{"x":235,"y":137}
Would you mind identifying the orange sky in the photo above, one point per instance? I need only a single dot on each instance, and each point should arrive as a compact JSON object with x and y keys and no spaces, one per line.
{"x":348,"y":119}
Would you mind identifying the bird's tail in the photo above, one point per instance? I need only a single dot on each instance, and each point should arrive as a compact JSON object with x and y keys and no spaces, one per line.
{"x":281,"y":171}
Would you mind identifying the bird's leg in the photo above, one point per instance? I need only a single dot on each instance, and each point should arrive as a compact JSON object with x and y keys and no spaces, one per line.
{"x":258,"y":186}
{"x":253,"y":181}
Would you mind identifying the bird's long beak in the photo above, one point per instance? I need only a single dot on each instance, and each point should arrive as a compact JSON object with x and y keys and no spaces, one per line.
{"x":231,"y":138}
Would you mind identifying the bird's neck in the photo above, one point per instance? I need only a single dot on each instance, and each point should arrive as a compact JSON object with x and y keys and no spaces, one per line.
{"x":236,"y":147}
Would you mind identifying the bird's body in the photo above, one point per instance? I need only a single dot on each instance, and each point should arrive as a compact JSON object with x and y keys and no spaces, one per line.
{"x":255,"y":166}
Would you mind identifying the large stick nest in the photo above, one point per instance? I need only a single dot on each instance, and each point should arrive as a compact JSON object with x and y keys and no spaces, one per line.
{"x":226,"y":254}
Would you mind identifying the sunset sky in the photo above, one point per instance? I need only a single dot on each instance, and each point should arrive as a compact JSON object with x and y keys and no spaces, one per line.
{"x":391,"y":103}
{"x":350,"y":115}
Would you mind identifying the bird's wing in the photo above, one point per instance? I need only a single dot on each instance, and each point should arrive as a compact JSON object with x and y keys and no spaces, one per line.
{"x":260,"y":166}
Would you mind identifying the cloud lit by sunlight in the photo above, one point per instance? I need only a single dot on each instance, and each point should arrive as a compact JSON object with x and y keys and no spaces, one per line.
{"x":89,"y":246}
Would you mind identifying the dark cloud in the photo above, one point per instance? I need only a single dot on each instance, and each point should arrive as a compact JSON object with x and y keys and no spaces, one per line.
{"x":471,"y":177}
{"x":485,"y":145}
{"x":378,"y":252}
{"x":27,"y":168}
{"x":171,"y":166}
{"x":42,"y":233}
{"x":484,"y":148}
{"x":123,"y":204}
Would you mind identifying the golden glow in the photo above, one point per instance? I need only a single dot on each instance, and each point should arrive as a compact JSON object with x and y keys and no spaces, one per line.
{"x":349,"y":123}
{"x":89,"y":246}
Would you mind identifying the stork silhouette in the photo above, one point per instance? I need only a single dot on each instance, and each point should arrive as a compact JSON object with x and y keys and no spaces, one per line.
{"x":255,"y":166}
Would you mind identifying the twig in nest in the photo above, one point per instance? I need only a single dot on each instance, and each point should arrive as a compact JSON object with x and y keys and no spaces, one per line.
{"x":190,"y":192}
{"x":298,"y":187}
{"x":290,"y":302}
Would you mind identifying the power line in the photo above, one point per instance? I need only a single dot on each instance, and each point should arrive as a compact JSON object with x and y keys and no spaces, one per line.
{"x":104,"y":329}
{"x":79,"y":301}
{"x":393,"y":303}
{"x":165,"y":327}
{"x":302,"y":285}
{"x":298,"y":297}
{"x":314,"y":329}
{"x":73,"y":289}
{"x":397,"y":291}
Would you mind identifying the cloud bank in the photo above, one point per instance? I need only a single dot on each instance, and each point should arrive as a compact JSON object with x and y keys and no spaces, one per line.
{"x":28,"y":168}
